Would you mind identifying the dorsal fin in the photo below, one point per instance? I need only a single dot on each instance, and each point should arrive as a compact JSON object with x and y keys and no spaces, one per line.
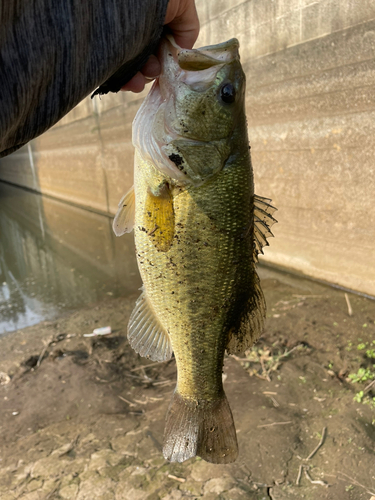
{"x":146,"y":334}
{"x":263,"y":220}
{"x":124,"y":218}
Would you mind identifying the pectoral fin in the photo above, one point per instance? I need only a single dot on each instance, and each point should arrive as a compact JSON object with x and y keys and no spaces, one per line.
{"x":146,"y":334}
{"x":263,"y":220}
{"x":251,"y":322}
{"x":159,"y":217}
{"x":124,"y":219}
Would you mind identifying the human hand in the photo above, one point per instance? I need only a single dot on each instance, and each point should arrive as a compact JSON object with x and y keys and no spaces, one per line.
{"x":182,"y":19}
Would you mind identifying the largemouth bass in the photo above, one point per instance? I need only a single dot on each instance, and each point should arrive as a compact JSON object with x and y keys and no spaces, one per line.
{"x":198,"y":230}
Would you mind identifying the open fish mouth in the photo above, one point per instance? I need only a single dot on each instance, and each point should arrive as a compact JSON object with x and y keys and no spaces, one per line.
{"x":195,"y":67}
{"x":166,"y":117}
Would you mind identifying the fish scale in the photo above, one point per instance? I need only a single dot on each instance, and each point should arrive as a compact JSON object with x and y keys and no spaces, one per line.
{"x":208,"y":277}
{"x":197,"y":237}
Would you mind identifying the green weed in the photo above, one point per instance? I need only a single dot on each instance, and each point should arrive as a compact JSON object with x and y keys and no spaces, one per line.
{"x":358,"y":397}
{"x":363,"y":375}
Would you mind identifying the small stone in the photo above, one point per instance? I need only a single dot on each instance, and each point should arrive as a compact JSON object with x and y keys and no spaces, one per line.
{"x":156,"y":461}
{"x":173,"y":495}
{"x":34,"y":484}
{"x":63,"y":450}
{"x":218,"y":485}
{"x":128,"y":444}
{"x":66,"y":480}
{"x":124,"y":493}
{"x":211,"y":496}
{"x":49,"y":486}
{"x":34,"y":495}
{"x":139,"y":482}
{"x":235,"y":494}
{"x":96,"y":487}
{"x":104,"y":458}
{"x":48,"y":467}
{"x":87,"y":475}
{"x":192,"y":487}
{"x":7,"y":496}
{"x":4,"y":378}
{"x":139,"y":470}
{"x":69,"y":492}
{"x":203,"y":471}
{"x":24,"y":471}
{"x":88,"y":439}
{"x":153,"y":496}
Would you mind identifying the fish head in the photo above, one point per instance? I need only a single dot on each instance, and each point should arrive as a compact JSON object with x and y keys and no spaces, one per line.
{"x":187,"y":123}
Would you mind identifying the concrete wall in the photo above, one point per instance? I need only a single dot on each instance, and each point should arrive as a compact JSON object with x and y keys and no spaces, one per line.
{"x":86,"y":158}
{"x":311,"y":110}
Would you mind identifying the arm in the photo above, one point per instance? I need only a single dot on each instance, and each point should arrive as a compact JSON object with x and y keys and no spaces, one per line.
{"x":55,"y":53}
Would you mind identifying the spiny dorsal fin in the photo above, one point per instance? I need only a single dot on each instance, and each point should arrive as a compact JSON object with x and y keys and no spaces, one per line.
{"x":146,"y":334}
{"x":159,"y":218}
{"x":263,"y":220}
{"x":124,"y":219}
{"x":251,"y":322}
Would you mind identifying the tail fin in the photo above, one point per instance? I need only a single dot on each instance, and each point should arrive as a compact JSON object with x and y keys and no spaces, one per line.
{"x":203,"y":428}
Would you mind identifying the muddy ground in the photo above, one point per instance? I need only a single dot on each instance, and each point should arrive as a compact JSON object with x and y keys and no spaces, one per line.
{"x":82,"y":418}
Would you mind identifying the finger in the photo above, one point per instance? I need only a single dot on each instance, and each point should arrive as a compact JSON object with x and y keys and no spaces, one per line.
{"x":136,"y":84}
{"x":183,"y":20}
{"x":152,"y":67}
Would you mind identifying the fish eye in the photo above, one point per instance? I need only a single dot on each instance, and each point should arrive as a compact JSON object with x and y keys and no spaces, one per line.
{"x":228,"y":93}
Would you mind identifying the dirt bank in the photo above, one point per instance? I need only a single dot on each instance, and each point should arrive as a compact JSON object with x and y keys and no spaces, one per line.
{"x":82,"y":418}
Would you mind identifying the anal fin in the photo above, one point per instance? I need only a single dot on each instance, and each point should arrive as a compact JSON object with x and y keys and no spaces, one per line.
{"x":146,"y":334}
{"x":124,"y":218}
{"x":251,"y":322}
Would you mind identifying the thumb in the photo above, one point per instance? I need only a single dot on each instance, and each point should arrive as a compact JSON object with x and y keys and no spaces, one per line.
{"x":182,"y":19}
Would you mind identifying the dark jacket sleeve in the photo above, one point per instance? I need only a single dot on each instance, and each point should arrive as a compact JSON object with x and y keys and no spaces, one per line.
{"x":53,"y":53}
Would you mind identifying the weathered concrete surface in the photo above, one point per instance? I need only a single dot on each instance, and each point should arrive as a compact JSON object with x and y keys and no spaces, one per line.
{"x":310,"y":104}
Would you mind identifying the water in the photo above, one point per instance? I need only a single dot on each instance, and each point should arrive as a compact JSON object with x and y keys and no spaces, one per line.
{"x":55,"y":257}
